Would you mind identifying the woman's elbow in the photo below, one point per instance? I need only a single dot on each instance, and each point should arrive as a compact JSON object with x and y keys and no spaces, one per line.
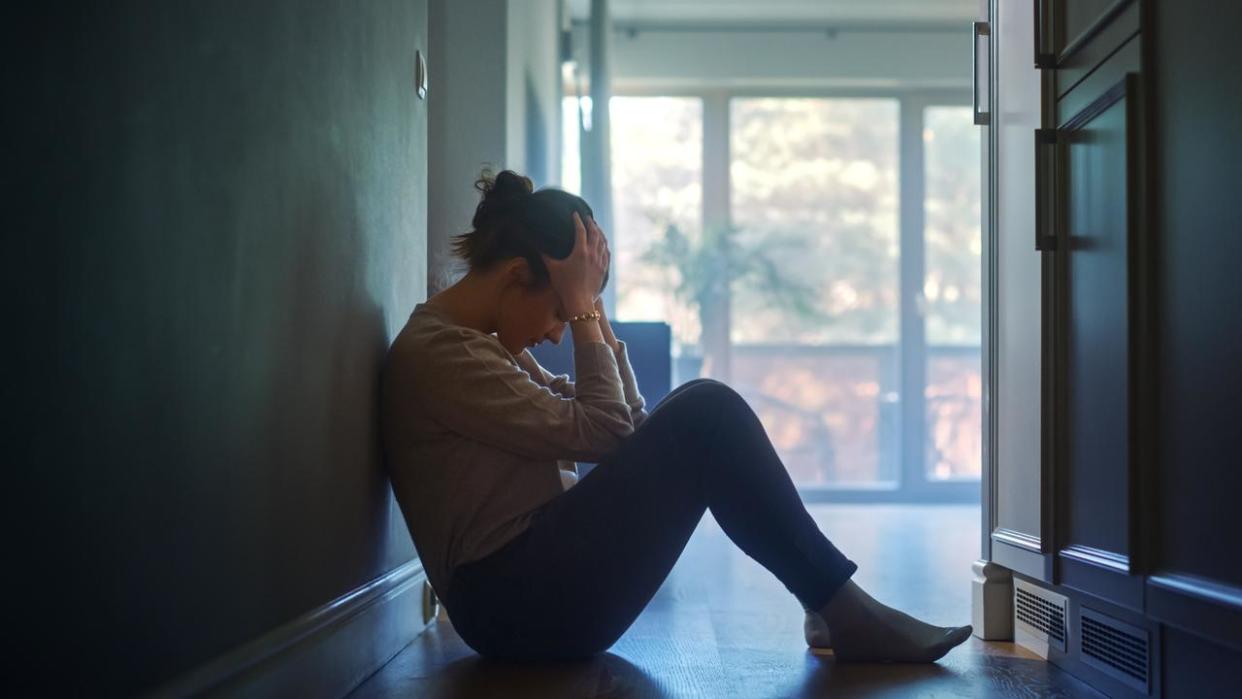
{"x":609,"y":439}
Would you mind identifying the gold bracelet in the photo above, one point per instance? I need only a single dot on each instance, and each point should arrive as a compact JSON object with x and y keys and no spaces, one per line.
{"x":590,"y":315}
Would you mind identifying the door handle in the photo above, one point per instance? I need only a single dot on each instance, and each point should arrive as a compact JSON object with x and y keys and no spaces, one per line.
{"x":1043,"y":59}
{"x":981,"y":117}
{"x":1046,"y":205}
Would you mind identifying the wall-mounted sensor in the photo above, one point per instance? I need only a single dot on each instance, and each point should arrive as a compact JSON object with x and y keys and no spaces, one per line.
{"x":420,"y":74}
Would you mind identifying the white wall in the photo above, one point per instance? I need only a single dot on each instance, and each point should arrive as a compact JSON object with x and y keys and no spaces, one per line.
{"x":933,"y":58}
{"x":493,"y":100}
{"x":534,"y":116}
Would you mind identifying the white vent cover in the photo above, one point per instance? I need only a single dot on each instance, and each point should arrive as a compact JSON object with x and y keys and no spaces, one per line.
{"x":1039,"y":618}
{"x":1115,"y":648}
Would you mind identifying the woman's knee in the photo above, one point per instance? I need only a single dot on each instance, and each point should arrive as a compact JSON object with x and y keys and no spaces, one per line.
{"x":678,"y":390}
{"x":696,"y":401}
{"x":705,"y":390}
{"x":695,"y":382}
{"x":697,"y":385}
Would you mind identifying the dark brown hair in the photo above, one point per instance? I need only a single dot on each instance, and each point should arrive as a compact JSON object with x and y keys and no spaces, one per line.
{"x":513,"y":220}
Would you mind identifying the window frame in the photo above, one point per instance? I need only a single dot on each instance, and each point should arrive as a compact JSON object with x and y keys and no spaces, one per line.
{"x":913,"y":484}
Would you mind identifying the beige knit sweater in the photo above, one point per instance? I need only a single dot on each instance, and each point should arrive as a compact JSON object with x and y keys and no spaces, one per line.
{"x":475,"y":437}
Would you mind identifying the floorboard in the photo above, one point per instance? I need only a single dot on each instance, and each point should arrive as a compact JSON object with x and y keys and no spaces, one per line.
{"x":722,"y":626}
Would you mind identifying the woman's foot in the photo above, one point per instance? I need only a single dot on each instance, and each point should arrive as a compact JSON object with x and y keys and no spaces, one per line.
{"x":859,"y":629}
{"x":818,"y":637}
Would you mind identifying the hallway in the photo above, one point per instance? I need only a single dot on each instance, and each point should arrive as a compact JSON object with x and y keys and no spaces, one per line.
{"x":721,"y":626}
{"x":972,"y":263}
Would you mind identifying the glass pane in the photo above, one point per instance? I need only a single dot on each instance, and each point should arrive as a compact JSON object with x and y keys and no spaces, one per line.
{"x":952,"y":289}
{"x":657,"y":182}
{"x":954,"y":414}
{"x":830,"y":411}
{"x":814,"y":317}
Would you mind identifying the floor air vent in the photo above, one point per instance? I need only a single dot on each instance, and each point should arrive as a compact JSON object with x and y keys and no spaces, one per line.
{"x":1115,"y":648}
{"x":1039,"y":618}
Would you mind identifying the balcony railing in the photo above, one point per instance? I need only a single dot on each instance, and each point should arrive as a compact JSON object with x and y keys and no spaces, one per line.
{"x":833,"y":413}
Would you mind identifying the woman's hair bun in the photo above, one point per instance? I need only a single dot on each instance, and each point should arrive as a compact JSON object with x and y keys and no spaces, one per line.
{"x":503,"y":187}
{"x":513,"y":220}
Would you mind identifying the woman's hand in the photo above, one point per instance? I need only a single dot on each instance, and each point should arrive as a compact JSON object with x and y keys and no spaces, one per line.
{"x":578,"y":278}
{"x":605,"y":328}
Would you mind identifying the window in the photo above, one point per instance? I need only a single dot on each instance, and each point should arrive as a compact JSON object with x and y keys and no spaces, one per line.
{"x":952,"y":289}
{"x":657,"y":182}
{"x":853,"y":328}
{"x":814,"y":185}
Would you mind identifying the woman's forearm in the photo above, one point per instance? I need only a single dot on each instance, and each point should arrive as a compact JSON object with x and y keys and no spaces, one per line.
{"x":604,"y":328}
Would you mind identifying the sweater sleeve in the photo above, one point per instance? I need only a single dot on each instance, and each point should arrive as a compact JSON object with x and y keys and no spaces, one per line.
{"x":470,"y":384}
{"x":629,"y":382}
{"x":561,"y":383}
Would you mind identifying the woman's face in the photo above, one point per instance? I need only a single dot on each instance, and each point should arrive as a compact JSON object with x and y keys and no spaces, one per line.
{"x":528,"y":317}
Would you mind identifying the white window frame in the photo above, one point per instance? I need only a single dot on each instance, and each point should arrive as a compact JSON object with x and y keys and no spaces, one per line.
{"x":912,"y":485}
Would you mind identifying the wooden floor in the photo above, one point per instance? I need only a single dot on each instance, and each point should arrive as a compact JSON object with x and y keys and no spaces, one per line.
{"x":722,"y":626}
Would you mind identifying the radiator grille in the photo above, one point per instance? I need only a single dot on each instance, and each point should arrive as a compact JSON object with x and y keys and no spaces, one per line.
{"x":1116,"y":648}
{"x":1043,"y":613}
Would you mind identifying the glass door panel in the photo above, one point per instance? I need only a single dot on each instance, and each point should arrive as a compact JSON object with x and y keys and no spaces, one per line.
{"x":814,"y":197}
{"x":657,"y":182}
{"x":952,"y":293}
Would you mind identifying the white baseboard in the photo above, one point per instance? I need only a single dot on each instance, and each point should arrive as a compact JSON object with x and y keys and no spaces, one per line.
{"x":325,"y":652}
{"x":992,"y":601}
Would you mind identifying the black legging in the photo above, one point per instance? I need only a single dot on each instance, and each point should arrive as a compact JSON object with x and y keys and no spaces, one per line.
{"x":593,"y":557}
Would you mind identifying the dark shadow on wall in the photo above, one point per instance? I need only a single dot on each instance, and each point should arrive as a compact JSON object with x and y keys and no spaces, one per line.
{"x":216,"y":226}
{"x":321,"y":406}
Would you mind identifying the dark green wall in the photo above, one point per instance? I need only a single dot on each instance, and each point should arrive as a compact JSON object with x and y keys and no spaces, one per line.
{"x":217,"y":222}
{"x":1199,"y":168}
{"x":1197,"y":163}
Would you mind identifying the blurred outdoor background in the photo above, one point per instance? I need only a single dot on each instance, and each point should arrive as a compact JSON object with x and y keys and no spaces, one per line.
{"x":826,"y":205}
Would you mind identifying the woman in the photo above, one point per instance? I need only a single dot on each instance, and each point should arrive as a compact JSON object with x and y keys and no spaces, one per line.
{"x":476,"y":435}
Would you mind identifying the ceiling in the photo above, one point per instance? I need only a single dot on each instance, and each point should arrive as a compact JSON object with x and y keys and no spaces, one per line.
{"x":780,"y":12}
